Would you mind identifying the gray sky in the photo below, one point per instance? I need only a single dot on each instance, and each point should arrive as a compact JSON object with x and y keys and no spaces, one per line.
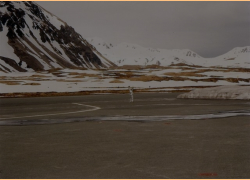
{"x":208,"y":28}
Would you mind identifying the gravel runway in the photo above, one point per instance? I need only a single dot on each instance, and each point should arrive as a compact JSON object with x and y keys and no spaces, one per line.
{"x":82,"y":141}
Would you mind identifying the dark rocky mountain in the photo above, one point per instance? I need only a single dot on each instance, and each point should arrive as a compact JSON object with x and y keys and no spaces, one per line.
{"x":33,"y":38}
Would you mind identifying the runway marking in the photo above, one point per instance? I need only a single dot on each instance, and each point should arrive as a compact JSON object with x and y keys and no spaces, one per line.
{"x":93,"y":109}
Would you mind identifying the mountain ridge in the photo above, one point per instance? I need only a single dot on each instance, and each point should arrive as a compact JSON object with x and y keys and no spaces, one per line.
{"x":42,"y":41}
{"x":133,"y":54}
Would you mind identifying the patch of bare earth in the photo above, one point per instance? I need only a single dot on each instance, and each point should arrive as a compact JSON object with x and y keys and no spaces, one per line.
{"x":10,"y":82}
{"x":83,"y":75}
{"x":65,"y":80}
{"x":98,"y":80}
{"x":239,"y":70}
{"x":116,"y":81}
{"x":186,"y":65}
{"x":182,"y":76}
{"x":193,"y":74}
{"x":146,"y":78}
{"x":3,"y":77}
{"x":73,"y":73}
{"x":54,"y":70}
{"x":48,"y":94}
{"x":32,"y":84}
{"x":40,"y":76}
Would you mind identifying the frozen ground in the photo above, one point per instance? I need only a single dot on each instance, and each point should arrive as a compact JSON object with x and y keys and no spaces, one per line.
{"x":165,"y":79}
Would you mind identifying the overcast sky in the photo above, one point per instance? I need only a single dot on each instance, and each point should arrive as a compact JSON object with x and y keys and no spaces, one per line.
{"x":208,"y":28}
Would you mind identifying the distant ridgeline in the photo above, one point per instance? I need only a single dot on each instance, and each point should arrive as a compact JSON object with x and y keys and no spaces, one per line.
{"x":132,"y":54}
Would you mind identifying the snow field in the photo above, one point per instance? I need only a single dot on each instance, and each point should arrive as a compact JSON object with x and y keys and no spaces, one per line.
{"x":222,"y":92}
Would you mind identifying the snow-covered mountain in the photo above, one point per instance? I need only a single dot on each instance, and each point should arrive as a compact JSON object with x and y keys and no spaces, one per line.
{"x":33,"y":38}
{"x":132,"y":54}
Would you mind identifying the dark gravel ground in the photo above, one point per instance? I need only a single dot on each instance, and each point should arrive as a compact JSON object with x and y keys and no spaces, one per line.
{"x":208,"y":148}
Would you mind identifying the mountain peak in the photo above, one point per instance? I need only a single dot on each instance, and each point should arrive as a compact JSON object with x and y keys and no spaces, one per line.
{"x":133,"y":54}
{"x":36,"y":39}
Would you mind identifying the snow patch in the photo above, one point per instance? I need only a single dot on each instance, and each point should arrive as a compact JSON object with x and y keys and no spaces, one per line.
{"x":222,"y":92}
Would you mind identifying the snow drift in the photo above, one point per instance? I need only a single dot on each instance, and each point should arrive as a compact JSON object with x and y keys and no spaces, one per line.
{"x":222,"y":92}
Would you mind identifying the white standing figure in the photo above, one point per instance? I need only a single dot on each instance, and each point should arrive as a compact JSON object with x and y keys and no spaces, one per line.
{"x":131,"y":94}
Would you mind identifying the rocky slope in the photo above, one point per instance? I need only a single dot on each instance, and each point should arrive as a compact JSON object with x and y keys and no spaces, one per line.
{"x":33,"y":38}
{"x":132,"y":54}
